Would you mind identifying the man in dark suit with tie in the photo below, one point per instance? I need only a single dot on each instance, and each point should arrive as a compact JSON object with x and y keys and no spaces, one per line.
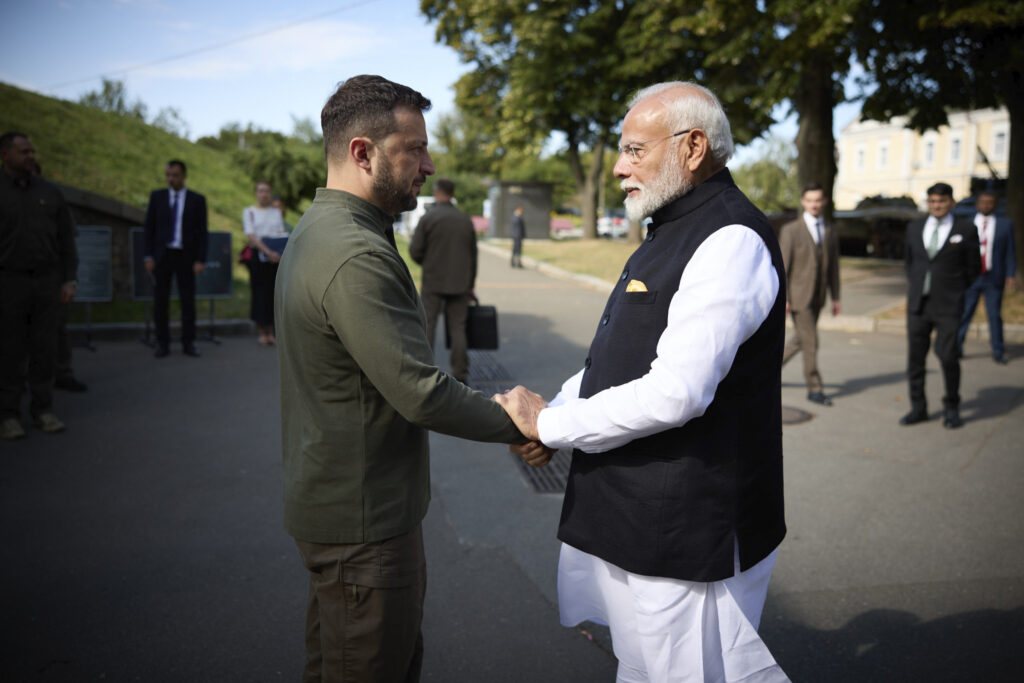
{"x":998,"y":268}
{"x":175,"y":244}
{"x":942,"y":260}
{"x":810,"y":253}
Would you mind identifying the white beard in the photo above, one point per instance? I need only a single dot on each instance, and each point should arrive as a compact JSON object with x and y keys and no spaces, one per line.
{"x":667,"y":186}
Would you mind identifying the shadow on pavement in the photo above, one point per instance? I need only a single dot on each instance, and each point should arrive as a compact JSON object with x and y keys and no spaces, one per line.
{"x":893,"y":646}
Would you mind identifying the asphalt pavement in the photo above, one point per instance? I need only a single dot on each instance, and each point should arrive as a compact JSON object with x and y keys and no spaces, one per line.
{"x":145,"y":543}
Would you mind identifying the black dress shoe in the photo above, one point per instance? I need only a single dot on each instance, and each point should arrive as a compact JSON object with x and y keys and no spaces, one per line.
{"x":69,"y":384}
{"x":913,"y":417}
{"x":191,"y":350}
{"x":161,"y":352}
{"x":951,"y":419}
{"x":1001,"y":360}
{"x":818,"y":397}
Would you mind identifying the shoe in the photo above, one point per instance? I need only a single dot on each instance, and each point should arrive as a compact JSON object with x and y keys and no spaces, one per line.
{"x":10,"y":428}
{"x":48,"y":423}
{"x":161,"y":352}
{"x":914,"y":416}
{"x":190,"y":350}
{"x":69,"y":384}
{"x":818,"y":397}
{"x":951,"y":418}
{"x":1001,"y":360}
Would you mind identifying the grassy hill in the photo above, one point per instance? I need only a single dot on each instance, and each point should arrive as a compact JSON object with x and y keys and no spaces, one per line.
{"x":124,"y":158}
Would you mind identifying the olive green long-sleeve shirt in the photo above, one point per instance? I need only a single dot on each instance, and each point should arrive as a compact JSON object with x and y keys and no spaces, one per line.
{"x":359,"y":388}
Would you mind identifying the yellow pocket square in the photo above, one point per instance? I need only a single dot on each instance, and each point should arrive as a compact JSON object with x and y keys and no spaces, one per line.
{"x":636,"y":286}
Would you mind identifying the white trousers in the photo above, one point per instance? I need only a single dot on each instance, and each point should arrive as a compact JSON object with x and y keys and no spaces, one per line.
{"x":667,"y":630}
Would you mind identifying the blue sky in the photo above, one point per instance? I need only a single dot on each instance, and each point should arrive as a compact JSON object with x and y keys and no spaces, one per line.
{"x":273,"y":60}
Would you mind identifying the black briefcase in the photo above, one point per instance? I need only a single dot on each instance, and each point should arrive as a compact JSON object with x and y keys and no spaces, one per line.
{"x":481,"y":327}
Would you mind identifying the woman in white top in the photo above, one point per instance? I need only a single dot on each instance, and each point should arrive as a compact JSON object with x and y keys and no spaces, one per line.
{"x":260,"y":222}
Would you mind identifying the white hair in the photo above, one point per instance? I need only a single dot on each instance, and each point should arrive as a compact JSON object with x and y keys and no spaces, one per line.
{"x":691,"y":110}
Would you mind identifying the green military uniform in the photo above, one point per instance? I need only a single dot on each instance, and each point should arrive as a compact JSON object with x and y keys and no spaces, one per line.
{"x":359,"y":388}
{"x":37,"y":255}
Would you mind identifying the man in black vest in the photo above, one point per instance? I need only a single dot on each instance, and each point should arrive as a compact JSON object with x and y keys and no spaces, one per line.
{"x":673,"y":511}
{"x":175,"y":244}
{"x":942,"y":259}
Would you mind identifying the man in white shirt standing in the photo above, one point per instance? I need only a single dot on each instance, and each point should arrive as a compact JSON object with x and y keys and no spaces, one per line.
{"x":998,"y":269}
{"x":810,"y":252}
{"x":673,"y":511}
{"x":942,"y":259}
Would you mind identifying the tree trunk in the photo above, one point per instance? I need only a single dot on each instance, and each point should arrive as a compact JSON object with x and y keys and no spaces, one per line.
{"x":815,"y":144}
{"x":1015,"y":174}
{"x":588,"y":181}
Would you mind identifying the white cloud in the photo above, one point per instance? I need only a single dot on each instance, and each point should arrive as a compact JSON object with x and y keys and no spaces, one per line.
{"x":296,"y":48}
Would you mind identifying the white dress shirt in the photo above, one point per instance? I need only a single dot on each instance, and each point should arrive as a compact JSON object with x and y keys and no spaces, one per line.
{"x":176,"y":198}
{"x":724,"y":295}
{"x":943,"y":225}
{"x":813,"y":224}
{"x":986,"y":235}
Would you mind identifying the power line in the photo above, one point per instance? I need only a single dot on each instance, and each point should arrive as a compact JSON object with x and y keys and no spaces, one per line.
{"x":212,"y":47}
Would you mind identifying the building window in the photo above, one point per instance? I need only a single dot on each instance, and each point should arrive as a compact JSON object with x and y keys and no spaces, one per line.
{"x":883,"y":155}
{"x":860,"y":159}
{"x":929,"y":153}
{"x":999,"y":146}
{"x":955,"y":151}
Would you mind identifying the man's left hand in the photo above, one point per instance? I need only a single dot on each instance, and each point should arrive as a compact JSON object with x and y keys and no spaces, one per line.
{"x":533,"y":453}
{"x":523,"y":406}
{"x":68,"y":291}
{"x":198,"y":267}
{"x":835,"y":308}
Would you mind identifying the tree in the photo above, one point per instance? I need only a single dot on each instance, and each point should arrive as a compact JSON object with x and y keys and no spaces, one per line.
{"x":802,"y":54}
{"x":770,"y":180}
{"x":170,"y":119}
{"x":927,"y":59}
{"x":569,"y":66}
{"x":113,"y":98}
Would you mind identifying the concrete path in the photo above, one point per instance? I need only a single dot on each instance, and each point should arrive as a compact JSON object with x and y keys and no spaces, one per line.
{"x":145,"y":543}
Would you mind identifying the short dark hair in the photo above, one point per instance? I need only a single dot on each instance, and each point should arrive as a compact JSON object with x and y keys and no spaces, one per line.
{"x":365,"y":106}
{"x":7,"y":139}
{"x":445,"y":186}
{"x":988,"y":193}
{"x":941,"y":188}
{"x":811,"y":188}
{"x":180,"y":164}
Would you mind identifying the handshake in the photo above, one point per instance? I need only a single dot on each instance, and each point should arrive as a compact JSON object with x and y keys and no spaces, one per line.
{"x":523,"y":406}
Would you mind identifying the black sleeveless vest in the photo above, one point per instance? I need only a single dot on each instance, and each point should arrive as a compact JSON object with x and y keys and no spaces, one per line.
{"x":674,"y":503}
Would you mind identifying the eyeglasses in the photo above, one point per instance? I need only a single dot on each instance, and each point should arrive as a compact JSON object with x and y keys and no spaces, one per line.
{"x":637,"y":149}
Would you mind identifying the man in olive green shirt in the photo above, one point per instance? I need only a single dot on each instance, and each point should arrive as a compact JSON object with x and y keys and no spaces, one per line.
{"x":359,"y":390}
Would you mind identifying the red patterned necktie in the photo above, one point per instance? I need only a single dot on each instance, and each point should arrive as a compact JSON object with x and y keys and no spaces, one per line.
{"x":984,"y":244}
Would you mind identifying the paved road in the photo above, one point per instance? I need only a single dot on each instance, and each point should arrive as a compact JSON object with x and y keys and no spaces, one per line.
{"x":145,"y":544}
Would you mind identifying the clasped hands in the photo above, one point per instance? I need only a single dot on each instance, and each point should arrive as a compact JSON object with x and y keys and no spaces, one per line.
{"x":523,"y":406}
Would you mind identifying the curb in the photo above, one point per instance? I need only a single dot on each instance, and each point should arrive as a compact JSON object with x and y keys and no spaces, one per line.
{"x":842,"y":323}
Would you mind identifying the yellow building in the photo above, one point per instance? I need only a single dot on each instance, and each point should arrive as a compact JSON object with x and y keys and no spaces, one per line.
{"x":885,"y":158}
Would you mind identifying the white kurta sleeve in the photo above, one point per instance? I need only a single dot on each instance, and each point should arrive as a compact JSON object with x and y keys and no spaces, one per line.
{"x":725,"y":293}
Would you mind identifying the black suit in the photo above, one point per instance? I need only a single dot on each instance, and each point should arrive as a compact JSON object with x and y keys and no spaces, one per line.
{"x":159,"y":233}
{"x":954,"y":267}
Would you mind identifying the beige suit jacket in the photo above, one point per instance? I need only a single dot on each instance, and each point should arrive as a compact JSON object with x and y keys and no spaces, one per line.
{"x":810,"y":272}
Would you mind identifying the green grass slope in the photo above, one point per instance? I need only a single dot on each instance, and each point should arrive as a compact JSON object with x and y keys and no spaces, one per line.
{"x":120,"y":157}
{"x":124,"y":159}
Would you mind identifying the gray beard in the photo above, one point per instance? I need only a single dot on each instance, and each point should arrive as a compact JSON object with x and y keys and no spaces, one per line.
{"x":668,"y":185}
